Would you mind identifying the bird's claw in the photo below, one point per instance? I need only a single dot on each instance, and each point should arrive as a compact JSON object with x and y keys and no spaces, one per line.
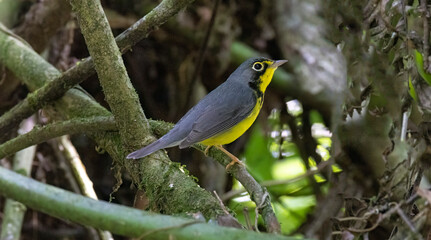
{"x":206,"y":150}
{"x":234,"y":160}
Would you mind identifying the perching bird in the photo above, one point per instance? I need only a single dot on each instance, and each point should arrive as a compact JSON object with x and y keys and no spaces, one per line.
{"x":224,"y":114}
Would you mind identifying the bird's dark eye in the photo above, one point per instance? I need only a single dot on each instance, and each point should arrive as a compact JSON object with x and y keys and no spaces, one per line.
{"x":258,"y":66}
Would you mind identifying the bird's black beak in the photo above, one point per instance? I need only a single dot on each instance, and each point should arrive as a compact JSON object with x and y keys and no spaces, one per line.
{"x":278,"y":63}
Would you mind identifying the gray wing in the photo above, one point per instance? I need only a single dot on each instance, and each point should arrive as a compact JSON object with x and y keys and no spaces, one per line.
{"x":216,"y":119}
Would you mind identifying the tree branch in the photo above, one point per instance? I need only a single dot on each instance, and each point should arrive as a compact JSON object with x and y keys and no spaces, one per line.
{"x":257,"y":192}
{"x":34,"y":71}
{"x":131,"y":122}
{"x":159,"y":128}
{"x":80,"y":174}
{"x":60,"y":84}
{"x":14,"y":211}
{"x":115,"y":218}
{"x":41,"y":134}
{"x":117,"y":88}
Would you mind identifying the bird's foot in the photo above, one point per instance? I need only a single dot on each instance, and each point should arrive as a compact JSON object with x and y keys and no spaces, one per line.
{"x":206,"y":150}
{"x":234,"y":159}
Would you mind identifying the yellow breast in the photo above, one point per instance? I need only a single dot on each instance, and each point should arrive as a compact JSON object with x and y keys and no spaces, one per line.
{"x":237,"y":130}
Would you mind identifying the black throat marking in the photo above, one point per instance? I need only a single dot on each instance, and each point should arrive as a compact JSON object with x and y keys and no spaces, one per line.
{"x":255,"y":85}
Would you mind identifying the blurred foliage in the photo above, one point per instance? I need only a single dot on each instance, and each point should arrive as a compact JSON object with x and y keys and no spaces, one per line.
{"x":272,"y":158}
{"x":419,"y":60}
{"x":382,"y":44}
{"x":161,"y":68}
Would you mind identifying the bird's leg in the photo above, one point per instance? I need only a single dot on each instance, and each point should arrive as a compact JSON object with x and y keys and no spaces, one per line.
{"x":234,"y":159}
{"x":207,"y":149}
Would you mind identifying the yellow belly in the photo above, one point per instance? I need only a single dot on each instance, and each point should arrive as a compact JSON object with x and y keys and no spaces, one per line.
{"x":236,"y":131}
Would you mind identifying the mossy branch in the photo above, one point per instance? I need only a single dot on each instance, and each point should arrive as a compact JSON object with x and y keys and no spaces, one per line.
{"x":117,"y":88}
{"x":80,"y":174}
{"x":14,"y":211}
{"x":34,"y":71}
{"x":241,"y":174}
{"x":56,"y":88}
{"x":130,"y":120}
{"x":41,"y":134}
{"x":159,"y":128}
{"x":115,"y":218}
{"x":257,"y":193}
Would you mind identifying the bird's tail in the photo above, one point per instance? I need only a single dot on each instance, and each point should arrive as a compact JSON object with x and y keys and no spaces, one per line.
{"x":147,"y":150}
{"x":166,"y":141}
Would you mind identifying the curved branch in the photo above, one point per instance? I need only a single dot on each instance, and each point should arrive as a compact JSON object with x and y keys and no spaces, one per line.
{"x":124,"y":103}
{"x":159,"y":128}
{"x":115,"y":218}
{"x":258,"y":193}
{"x":56,"y":129}
{"x":14,"y":211}
{"x":239,"y":172}
{"x":60,"y":84}
{"x":117,"y":88}
{"x":155,"y":175}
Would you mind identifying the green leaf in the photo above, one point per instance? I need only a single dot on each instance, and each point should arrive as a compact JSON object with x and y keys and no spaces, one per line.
{"x":420,"y":67}
{"x":292,"y":211}
{"x":412,"y":91}
{"x":316,"y":117}
{"x":286,"y":169}
{"x":258,"y":157}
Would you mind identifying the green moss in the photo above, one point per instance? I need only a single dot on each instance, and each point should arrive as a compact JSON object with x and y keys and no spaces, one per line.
{"x":21,"y":171}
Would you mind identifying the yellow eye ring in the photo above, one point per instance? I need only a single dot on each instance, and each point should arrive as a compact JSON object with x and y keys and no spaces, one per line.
{"x":258,"y":66}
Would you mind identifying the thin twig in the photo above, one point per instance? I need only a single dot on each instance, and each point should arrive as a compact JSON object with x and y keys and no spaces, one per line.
{"x":84,"y":182}
{"x":345,"y":219}
{"x":56,"y":129}
{"x":271,"y":183}
{"x":221,"y":203}
{"x":309,"y":172}
{"x":375,"y":225}
{"x":255,"y":190}
{"x":386,"y":22}
{"x":395,"y":209}
{"x":202,"y":52}
{"x":80,"y":177}
{"x":256,"y":210}
{"x":4,"y":29}
{"x":407,"y":220}
{"x":247,"y":218}
{"x":13,"y":210}
{"x":56,"y":88}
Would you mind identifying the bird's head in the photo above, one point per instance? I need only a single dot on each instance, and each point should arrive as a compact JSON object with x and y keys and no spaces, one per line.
{"x":257,"y":72}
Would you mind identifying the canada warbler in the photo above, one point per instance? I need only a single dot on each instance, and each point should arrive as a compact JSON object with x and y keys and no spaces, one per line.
{"x":224,"y":114}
